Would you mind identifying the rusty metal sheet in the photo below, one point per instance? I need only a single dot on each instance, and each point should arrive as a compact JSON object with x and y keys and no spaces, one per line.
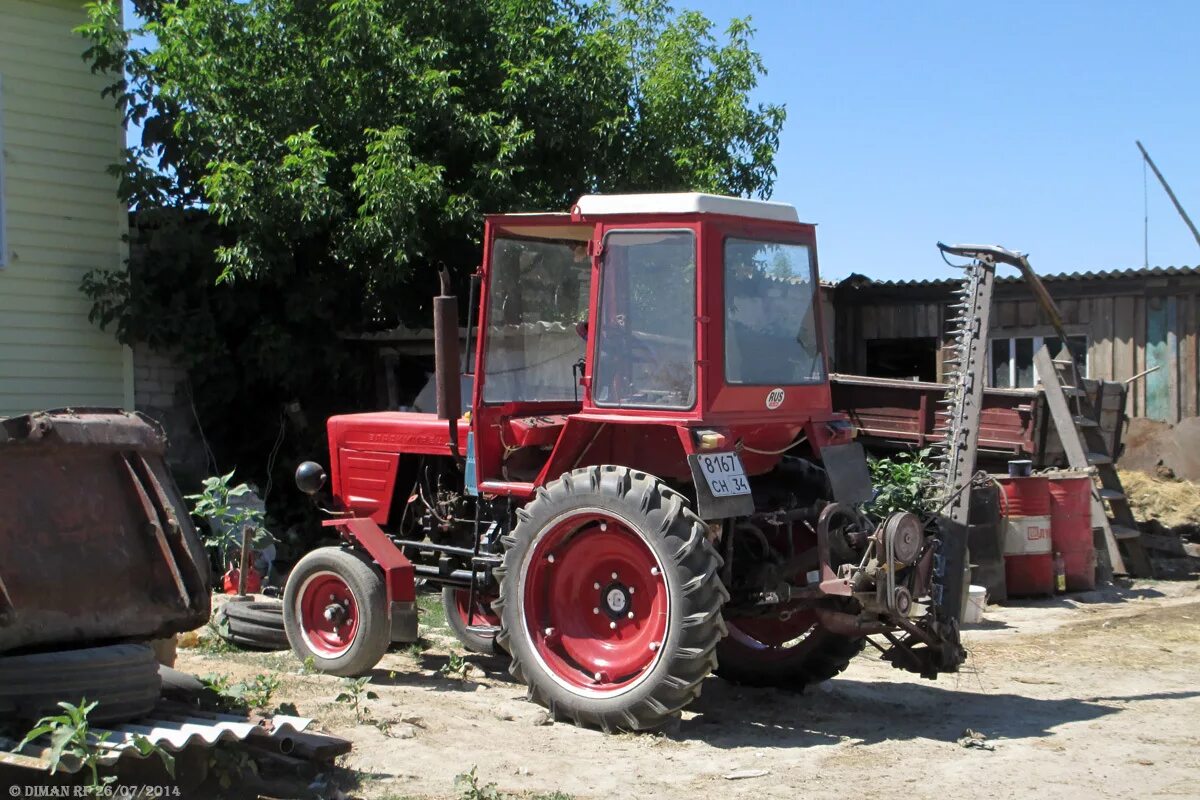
{"x":95,"y":540}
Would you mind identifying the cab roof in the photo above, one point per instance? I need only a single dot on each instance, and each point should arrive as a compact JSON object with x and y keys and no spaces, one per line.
{"x":598,"y":205}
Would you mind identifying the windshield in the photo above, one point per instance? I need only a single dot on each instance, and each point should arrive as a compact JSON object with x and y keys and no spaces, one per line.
{"x":770,"y":325}
{"x":537,"y":304}
{"x":646,"y":343}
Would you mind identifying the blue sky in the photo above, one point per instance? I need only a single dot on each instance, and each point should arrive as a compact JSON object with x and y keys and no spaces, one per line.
{"x":1004,"y":122}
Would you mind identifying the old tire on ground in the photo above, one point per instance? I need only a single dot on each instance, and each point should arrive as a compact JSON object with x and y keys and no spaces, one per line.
{"x":122,"y":678}
{"x":335,"y":611}
{"x":610,"y":601}
{"x":788,"y":653}
{"x":454,"y":603}
{"x":253,"y":625}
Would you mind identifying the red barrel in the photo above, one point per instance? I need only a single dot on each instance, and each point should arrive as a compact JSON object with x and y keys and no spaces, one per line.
{"x":1028,"y":557}
{"x":1071,"y":529}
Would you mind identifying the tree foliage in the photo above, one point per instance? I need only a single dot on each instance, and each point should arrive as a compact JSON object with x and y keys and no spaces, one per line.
{"x":343,"y":148}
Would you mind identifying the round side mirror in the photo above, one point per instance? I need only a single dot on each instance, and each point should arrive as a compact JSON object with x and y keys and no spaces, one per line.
{"x":310,"y":477}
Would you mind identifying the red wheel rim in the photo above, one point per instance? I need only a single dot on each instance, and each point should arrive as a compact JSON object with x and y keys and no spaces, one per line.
{"x":772,"y":637}
{"x":328,"y":614}
{"x":596,"y":603}
{"x":481,"y":615}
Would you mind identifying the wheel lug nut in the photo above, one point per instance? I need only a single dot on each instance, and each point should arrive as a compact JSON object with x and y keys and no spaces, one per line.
{"x":603,"y":526}
{"x":599,"y":677}
{"x":549,"y":631}
{"x":614,"y":576}
{"x":654,"y":570}
{"x":595,"y":585}
{"x":595,"y":611}
{"x":550,"y":558}
{"x":630,"y":615}
{"x":632,"y":589}
{"x":654,"y":646}
{"x":612,"y":625}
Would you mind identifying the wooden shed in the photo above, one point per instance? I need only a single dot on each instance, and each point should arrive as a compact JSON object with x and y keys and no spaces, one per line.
{"x":1137,"y":323}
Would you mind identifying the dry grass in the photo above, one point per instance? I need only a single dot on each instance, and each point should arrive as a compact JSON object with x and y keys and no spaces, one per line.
{"x":1125,"y":638}
{"x":1173,"y":503}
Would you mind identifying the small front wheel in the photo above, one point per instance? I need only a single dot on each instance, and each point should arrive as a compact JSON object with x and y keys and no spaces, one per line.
{"x":335,"y":612}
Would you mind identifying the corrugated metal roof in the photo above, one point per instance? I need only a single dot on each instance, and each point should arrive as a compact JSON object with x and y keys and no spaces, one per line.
{"x":171,"y":726}
{"x":1110,"y":274}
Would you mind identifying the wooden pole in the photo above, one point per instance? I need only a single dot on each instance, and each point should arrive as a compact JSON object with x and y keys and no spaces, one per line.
{"x":1170,"y":194}
{"x":245,"y":559}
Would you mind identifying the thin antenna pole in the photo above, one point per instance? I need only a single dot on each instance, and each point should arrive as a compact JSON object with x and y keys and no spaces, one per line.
{"x":1145,"y":216}
{"x":1170,"y":194}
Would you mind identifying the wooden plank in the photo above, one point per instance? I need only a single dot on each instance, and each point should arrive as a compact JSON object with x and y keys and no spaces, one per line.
{"x":1100,"y":337}
{"x":904,"y":321}
{"x":1027,"y":313}
{"x":1069,"y":311}
{"x":1068,"y":434}
{"x":1189,"y":380}
{"x":869,"y":320}
{"x":886,"y":320}
{"x":1173,"y":376}
{"x":1084,"y":310}
{"x":1157,"y":383}
{"x":1007,"y":313}
{"x":1123,"y":356}
{"x":1139,"y":355}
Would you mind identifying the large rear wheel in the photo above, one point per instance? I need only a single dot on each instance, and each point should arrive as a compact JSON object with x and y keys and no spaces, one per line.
{"x":475,"y":626}
{"x":791,"y":653}
{"x":610,"y":602}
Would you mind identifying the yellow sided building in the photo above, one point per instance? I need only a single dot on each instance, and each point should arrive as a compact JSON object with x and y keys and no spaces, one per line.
{"x":59,"y":214}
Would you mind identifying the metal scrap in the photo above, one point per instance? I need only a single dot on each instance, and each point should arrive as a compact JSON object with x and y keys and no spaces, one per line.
{"x":174,"y":727}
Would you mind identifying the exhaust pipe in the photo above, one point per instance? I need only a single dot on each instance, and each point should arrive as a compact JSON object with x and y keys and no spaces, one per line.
{"x":446,"y":360}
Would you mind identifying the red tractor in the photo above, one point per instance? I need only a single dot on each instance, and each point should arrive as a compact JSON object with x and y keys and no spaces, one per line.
{"x":649,"y":484}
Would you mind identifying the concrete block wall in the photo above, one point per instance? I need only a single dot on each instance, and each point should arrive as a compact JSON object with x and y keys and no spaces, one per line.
{"x":160,"y":391}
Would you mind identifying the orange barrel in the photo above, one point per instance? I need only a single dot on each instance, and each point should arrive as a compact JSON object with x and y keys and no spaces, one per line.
{"x":1028,"y":557}
{"x":1071,"y":529}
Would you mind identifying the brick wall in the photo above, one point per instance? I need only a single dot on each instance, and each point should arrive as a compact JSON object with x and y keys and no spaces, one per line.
{"x":161,"y":392}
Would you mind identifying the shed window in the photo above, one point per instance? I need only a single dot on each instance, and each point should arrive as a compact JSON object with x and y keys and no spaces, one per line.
{"x":1012,"y":358}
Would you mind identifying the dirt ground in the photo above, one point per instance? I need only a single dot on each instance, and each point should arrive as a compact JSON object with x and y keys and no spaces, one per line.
{"x":1097,"y":692}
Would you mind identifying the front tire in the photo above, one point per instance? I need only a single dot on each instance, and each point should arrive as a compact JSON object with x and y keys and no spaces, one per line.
{"x":335,"y":612}
{"x":610,"y":603}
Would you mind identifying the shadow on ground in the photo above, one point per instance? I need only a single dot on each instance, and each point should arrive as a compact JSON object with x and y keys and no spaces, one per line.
{"x":732,"y":716}
{"x":444,"y":678}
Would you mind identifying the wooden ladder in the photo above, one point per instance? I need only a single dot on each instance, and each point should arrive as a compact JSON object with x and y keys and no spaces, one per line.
{"x":1072,"y":410}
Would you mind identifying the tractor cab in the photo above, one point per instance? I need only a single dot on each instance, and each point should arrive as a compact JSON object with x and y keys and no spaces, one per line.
{"x":686,"y":321}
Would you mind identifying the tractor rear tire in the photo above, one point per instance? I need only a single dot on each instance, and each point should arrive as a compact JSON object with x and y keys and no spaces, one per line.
{"x":610,"y":600}
{"x":454,"y":605}
{"x":335,"y":612}
{"x":121,"y":678}
{"x":817,"y":656}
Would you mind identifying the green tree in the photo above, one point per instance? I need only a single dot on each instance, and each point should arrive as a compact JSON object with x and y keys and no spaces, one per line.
{"x":305,"y":164}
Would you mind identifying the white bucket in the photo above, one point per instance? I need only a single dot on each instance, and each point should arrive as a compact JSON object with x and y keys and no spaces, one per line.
{"x":976,"y":600}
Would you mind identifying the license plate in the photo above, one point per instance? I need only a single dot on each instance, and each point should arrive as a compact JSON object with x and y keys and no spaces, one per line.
{"x":724,"y":474}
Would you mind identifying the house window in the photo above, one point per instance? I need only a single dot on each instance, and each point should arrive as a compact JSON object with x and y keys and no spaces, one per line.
{"x":1012,"y":358}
